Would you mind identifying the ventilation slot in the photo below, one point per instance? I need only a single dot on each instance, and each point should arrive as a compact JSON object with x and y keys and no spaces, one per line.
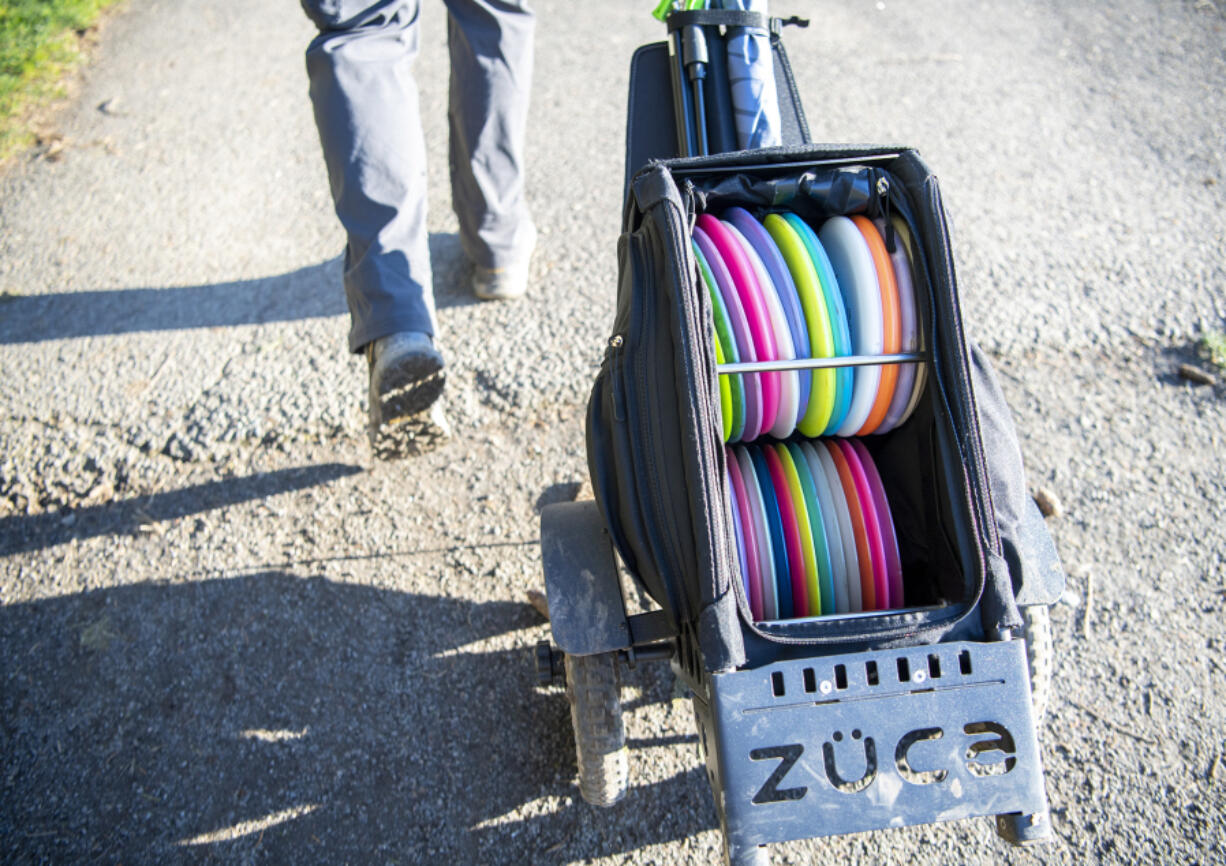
{"x":904,"y":671}
{"x":777,"y":683}
{"x":870,"y":669}
{"x":964,"y":662}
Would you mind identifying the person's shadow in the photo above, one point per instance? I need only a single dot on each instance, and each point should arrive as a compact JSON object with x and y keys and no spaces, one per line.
{"x":312,"y":292}
{"x":286,"y":719}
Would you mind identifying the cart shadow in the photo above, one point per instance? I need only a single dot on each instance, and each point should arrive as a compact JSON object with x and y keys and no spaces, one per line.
{"x":312,"y":292}
{"x":295,"y":719}
{"x":563,"y":491}
{"x":24,"y":533}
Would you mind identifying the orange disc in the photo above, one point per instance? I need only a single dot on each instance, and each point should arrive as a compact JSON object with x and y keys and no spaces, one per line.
{"x":892,"y":322}
{"x":868,"y":590}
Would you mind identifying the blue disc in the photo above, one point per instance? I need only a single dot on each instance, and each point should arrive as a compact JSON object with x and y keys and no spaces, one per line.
{"x":783,"y":574}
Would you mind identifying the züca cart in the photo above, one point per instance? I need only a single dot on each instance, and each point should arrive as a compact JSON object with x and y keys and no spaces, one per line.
{"x":799,"y":456}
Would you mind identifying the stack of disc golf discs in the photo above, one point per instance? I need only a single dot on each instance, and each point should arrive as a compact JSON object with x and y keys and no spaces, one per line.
{"x":814,"y":532}
{"x":781,"y":291}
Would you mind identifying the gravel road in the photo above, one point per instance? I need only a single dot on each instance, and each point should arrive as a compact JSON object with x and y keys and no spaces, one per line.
{"x":227,"y":634}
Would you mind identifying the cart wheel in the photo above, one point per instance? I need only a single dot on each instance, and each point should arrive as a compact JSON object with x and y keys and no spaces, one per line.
{"x":600,"y":737}
{"x":1036,"y":630}
{"x":1014,"y":827}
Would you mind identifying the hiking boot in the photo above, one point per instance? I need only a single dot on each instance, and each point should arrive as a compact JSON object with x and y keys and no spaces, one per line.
{"x":406,"y":379}
{"x":506,"y":283}
{"x":500,"y":284}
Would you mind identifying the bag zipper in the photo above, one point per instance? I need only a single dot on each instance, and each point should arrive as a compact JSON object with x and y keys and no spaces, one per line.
{"x":644,"y":428}
{"x":614,"y":354}
{"x":702,"y":365}
{"x":962,"y":370}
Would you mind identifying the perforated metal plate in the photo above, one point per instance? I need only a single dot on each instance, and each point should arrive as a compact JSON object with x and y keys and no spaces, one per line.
{"x":842,"y":744}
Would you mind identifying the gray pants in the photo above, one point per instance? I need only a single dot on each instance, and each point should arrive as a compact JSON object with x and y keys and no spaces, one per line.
{"x":365,"y":99}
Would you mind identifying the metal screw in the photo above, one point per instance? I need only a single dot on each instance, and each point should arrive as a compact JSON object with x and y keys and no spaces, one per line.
{"x":918,"y":677}
{"x":825,"y":687}
{"x":616,"y":341}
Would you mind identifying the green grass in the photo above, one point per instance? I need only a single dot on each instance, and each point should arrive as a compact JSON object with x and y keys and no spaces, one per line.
{"x":40,"y":41}
{"x":1213,"y":349}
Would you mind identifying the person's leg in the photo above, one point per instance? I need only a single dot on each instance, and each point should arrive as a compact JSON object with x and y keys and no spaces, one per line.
{"x":491,"y":43}
{"x":365,"y":100}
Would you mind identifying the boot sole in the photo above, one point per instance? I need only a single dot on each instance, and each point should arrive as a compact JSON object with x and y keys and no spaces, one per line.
{"x":410,"y":421}
{"x":411,"y":436}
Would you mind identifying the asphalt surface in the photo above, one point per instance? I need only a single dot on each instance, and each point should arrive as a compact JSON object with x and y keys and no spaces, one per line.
{"x":228,"y":634}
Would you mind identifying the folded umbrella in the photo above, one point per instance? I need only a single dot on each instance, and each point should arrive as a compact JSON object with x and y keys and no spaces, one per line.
{"x":751,"y":73}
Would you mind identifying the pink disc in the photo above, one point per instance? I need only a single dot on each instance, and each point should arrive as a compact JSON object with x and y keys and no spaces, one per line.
{"x":885,"y":521}
{"x":756,"y":312}
{"x":876,"y":547}
{"x":749,"y":532}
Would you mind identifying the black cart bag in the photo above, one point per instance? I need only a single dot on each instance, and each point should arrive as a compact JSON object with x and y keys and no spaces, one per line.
{"x":782,"y":705}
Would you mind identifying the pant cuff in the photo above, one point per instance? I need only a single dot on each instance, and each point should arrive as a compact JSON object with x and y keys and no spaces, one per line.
{"x":364,"y":333}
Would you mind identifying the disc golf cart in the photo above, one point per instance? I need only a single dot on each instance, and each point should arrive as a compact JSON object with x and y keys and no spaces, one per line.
{"x":836,"y":713}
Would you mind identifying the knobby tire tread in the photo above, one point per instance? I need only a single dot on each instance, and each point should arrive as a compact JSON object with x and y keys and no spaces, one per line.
{"x":593,"y":690}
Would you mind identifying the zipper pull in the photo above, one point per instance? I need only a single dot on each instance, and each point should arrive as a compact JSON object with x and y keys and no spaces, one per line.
{"x":691,"y":212}
{"x":883,"y":207}
{"x":612,"y":345}
{"x":614,"y":360}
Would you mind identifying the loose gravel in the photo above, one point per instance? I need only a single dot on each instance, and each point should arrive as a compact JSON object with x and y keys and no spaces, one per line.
{"x":228,"y":633}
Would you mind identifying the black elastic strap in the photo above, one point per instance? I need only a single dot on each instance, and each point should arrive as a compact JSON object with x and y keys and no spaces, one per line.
{"x":717,"y":18}
{"x":731,"y":18}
